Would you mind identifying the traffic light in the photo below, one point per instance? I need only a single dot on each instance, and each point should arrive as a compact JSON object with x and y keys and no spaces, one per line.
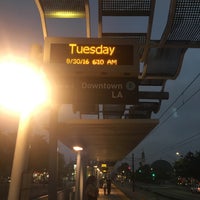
{"x":153,"y":175}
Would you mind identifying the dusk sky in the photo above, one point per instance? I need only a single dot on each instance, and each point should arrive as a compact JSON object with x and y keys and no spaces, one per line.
{"x":179,"y":128}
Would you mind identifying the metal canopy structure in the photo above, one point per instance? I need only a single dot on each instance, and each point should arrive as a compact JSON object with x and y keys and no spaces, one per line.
{"x":119,"y":128}
{"x":105,"y":140}
{"x":63,"y":9}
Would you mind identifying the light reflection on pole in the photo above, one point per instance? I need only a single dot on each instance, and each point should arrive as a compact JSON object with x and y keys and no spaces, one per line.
{"x":20,"y":157}
{"x":78,"y":172}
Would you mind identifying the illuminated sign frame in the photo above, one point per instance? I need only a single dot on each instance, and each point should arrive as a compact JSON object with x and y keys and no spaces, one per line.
{"x":95,"y":56}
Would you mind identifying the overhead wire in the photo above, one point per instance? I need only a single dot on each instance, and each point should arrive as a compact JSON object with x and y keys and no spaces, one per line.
{"x":178,"y":108}
{"x":180,"y":143}
{"x":188,"y":139}
{"x":178,"y":97}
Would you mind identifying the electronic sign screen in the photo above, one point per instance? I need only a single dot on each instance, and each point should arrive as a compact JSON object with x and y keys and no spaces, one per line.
{"x":77,"y":53}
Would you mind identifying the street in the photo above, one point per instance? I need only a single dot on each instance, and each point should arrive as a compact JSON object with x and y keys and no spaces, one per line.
{"x":158,"y":192}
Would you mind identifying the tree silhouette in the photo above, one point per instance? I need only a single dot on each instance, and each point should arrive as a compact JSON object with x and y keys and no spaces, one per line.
{"x":188,"y":166}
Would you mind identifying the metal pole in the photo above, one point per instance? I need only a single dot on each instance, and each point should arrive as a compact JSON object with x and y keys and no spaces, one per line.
{"x":20,"y":156}
{"x":52,"y":186}
{"x":133,"y":169}
{"x":81,"y":181}
{"x":78,"y":167}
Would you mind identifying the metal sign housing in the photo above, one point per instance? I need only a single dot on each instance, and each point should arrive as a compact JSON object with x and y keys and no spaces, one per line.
{"x":91,"y":56}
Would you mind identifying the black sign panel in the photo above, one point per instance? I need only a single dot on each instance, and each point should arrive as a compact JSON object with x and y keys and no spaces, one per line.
{"x":91,"y":55}
{"x":105,"y":91}
{"x":98,"y":91}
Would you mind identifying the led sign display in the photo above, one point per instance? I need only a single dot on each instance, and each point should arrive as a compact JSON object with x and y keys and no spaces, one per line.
{"x":76,"y":53}
{"x":100,"y":55}
{"x":104,"y":165}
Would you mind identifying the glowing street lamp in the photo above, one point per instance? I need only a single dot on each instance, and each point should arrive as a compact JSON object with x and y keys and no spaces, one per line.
{"x":22,"y":89}
{"x":22,"y":86}
{"x":77,"y":148}
{"x":178,"y":154}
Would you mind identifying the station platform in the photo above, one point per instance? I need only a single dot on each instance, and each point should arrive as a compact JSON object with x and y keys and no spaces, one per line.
{"x":116,"y":194}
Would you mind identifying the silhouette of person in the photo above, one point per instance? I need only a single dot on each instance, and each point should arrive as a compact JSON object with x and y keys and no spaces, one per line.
{"x":104,"y":187}
{"x":91,"y":189}
{"x":108,"y":186}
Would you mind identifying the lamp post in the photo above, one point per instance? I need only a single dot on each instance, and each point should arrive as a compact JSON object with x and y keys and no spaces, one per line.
{"x":22,"y":89}
{"x":20,"y":158}
{"x":179,"y":155}
{"x":78,"y":172}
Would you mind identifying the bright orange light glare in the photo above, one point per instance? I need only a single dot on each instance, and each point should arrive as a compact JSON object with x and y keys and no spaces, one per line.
{"x":22,"y":87}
